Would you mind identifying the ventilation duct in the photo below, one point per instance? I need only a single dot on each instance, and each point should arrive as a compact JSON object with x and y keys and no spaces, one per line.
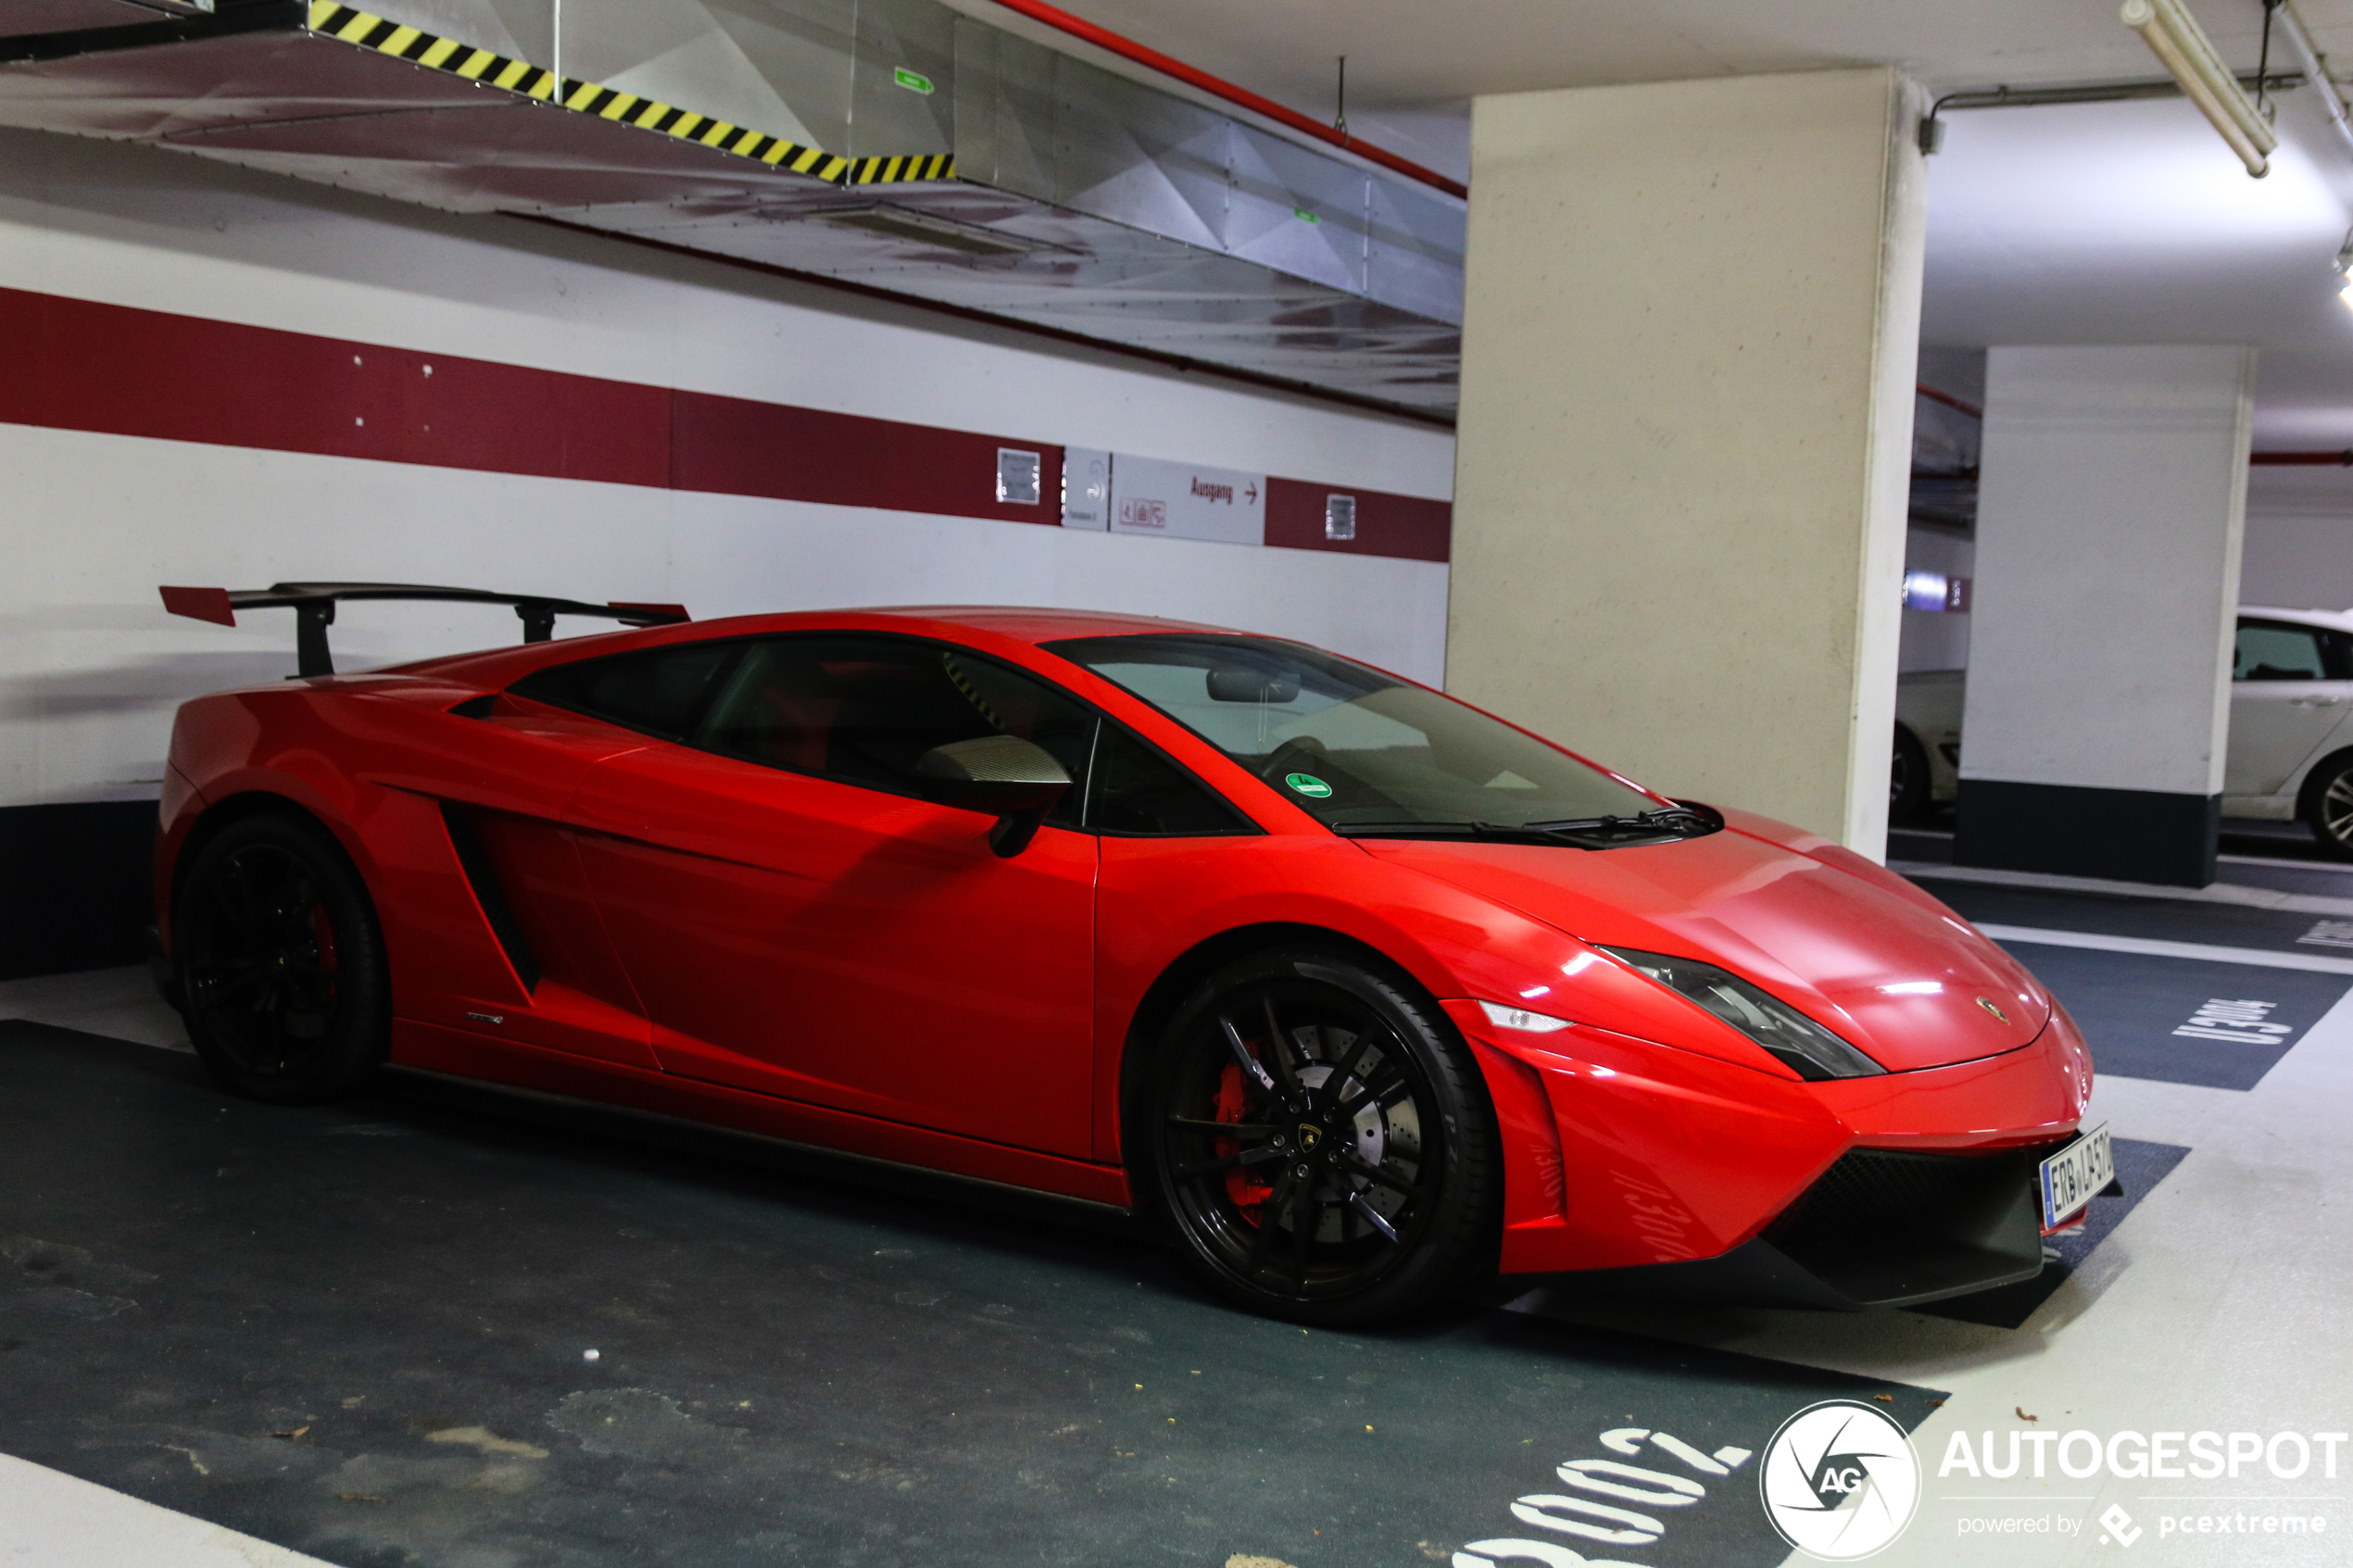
{"x":892,"y":144}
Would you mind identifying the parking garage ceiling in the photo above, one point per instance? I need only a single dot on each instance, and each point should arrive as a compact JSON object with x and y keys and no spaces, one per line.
{"x":2126,"y":222}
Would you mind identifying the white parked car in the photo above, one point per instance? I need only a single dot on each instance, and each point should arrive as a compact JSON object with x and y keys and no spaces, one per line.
{"x":1927,"y":768}
{"x":2291,"y":746}
{"x":2291,"y":752}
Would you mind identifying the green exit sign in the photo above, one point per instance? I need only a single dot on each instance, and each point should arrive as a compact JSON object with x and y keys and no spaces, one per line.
{"x":914,"y":82}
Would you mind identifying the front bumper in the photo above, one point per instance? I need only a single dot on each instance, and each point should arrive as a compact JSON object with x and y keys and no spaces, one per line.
{"x":1880,"y":1228}
{"x":1632,"y":1164}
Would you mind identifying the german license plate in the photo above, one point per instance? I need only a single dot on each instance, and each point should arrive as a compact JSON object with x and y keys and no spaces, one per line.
{"x":2074,"y":1174}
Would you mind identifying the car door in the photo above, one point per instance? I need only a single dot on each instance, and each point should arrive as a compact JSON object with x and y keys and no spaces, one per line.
{"x":799,"y":921}
{"x":2289,"y":693}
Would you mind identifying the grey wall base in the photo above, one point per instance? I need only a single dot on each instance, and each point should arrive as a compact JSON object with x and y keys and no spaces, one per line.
{"x":2070,"y":830}
{"x":74,"y":886}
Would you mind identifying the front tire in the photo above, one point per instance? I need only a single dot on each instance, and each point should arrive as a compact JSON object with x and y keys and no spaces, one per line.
{"x":2329,"y":809}
{"x":1909,"y":787}
{"x":280,"y":963}
{"x":1321,"y":1140}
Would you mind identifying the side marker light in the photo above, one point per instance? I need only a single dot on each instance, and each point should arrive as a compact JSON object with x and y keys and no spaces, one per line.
{"x":1520,"y":1017}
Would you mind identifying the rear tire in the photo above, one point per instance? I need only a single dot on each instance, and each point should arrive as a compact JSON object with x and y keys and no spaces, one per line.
{"x":280,"y":963}
{"x":1362,"y":1183}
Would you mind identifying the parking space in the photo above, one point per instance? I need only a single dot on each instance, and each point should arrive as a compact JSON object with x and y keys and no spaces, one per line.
{"x":365,"y":1333}
{"x":2182,"y":1021}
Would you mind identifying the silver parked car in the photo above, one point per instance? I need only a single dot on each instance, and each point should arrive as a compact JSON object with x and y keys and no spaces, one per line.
{"x":2291,"y":748}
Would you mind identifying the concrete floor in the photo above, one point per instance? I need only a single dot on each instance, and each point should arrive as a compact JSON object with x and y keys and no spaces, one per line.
{"x":792,"y":1369}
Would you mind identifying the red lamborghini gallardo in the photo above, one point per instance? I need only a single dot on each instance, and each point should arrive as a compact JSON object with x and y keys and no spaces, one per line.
{"x":1360,"y":992}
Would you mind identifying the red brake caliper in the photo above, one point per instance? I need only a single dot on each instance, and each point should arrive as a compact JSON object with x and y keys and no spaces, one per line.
{"x":1242,"y":1184}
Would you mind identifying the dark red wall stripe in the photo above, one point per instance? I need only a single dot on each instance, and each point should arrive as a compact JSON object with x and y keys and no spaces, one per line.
{"x":117,"y":371}
{"x":1386,"y":525}
{"x":734,"y":446}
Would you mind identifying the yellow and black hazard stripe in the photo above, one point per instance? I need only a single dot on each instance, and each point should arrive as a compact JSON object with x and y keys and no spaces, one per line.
{"x":354,"y":26}
{"x":901,"y":170}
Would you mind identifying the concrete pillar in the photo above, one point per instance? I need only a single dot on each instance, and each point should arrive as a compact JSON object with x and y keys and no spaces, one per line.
{"x":2110,"y":504}
{"x":1691,"y":327}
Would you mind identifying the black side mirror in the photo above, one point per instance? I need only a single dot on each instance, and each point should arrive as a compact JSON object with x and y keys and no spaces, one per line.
{"x":1014,"y":780}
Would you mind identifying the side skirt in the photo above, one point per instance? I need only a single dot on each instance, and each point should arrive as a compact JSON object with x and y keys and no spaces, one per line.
{"x":890,"y":1150}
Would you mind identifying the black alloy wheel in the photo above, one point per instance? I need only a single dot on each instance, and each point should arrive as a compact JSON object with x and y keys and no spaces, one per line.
{"x":1321,"y":1141}
{"x":2329,"y":808}
{"x":280,"y":962}
{"x":1909,"y":787}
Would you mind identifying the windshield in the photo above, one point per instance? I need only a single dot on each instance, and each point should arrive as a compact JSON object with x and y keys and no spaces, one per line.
{"x":1360,"y":750}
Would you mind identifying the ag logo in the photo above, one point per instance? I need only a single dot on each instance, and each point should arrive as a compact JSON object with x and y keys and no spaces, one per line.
{"x":1840,"y":1480}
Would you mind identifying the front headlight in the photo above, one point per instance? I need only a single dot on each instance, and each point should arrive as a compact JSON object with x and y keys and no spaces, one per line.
{"x":1796,"y":1040}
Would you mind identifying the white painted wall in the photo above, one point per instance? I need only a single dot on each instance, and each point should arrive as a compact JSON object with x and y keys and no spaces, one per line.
{"x":2299,"y":539}
{"x":2107,"y":566}
{"x":91,"y":668}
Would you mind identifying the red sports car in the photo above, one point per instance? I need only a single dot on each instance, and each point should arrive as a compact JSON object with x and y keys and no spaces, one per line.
{"x":1360,"y":992}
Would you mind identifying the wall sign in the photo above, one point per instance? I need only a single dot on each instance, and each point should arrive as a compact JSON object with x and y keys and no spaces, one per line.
{"x":1340,"y":517}
{"x":1086,"y":487}
{"x":1017,"y":475}
{"x":1936,"y":591}
{"x":1186,"y":501}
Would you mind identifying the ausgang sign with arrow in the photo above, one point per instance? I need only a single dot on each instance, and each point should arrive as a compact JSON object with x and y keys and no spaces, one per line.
{"x":1185,"y":501}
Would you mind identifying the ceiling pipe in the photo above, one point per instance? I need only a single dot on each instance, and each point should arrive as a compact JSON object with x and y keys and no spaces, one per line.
{"x":1129,"y":49}
{"x":1972,"y":409}
{"x":2315,"y":68}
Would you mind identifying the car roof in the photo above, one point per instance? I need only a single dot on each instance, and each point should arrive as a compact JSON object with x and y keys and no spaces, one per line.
{"x":1015,"y":623}
{"x":1039,"y":624}
{"x":2341,"y":620}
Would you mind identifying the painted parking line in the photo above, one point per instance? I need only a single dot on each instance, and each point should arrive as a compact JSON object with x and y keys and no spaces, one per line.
{"x":2162,"y":920}
{"x":2181,"y":1012}
{"x":2256,"y":958}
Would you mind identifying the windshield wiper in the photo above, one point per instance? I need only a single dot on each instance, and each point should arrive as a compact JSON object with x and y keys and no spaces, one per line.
{"x":1679,"y":821}
{"x":1658,"y":826}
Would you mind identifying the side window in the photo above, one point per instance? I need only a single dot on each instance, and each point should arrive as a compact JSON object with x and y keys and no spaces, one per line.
{"x":1137,"y":791}
{"x":862,"y":709}
{"x":662,"y":691}
{"x":2271,"y":650}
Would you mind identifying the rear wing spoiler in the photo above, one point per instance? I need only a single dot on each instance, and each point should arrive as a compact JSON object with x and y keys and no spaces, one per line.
{"x":314,"y":606}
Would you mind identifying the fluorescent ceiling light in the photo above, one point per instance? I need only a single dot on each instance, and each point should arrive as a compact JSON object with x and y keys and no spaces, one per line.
{"x":2180,"y":46}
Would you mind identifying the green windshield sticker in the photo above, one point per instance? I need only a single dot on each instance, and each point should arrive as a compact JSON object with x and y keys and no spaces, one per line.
{"x":1308,"y":784}
{"x":911,"y":81}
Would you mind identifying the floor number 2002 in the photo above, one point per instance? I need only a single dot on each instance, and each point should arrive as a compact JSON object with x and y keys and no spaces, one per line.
{"x":1606,"y":1501}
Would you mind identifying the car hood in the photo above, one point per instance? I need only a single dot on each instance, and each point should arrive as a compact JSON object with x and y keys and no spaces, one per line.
{"x":1905,"y":980}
